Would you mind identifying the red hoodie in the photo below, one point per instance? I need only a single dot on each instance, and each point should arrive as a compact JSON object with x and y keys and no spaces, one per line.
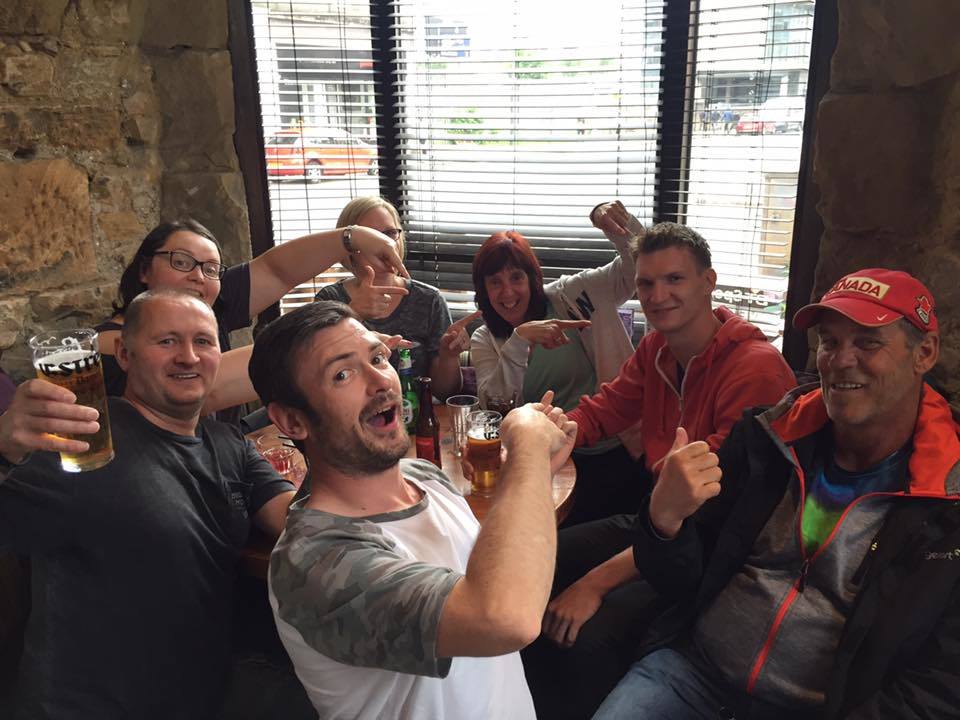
{"x":737,"y":370}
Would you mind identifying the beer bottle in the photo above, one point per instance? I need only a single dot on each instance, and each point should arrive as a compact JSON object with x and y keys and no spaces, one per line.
{"x":428,"y":427}
{"x":408,"y":387}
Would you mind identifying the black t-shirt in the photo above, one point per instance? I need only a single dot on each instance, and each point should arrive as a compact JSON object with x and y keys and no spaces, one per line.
{"x":232,"y":309}
{"x":133,"y":570}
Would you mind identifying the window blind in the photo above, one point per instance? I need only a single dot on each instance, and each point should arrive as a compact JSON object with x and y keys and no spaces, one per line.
{"x":320,"y":115}
{"x":522,"y":116}
{"x":741,"y":139}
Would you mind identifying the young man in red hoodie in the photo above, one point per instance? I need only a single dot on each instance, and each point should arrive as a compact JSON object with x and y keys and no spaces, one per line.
{"x":699,"y":368}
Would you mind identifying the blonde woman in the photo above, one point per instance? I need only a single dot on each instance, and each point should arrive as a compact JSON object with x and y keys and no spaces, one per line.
{"x":394,"y":305}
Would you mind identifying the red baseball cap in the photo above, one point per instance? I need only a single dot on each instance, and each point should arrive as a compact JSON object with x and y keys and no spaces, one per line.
{"x":874,"y":297}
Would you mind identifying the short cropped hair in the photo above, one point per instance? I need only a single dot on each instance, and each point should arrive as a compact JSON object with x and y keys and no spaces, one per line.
{"x":914,"y":335}
{"x":279,"y":345}
{"x":133,"y":317}
{"x":666,"y":235}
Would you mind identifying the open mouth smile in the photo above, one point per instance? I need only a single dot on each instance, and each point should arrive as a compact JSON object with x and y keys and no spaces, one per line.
{"x":386,"y":418}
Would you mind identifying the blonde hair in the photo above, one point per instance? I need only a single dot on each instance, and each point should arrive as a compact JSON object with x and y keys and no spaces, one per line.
{"x":360,"y":206}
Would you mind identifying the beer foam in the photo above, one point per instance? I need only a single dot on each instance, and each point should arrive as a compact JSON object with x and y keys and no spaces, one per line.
{"x":53,"y":360}
{"x":482,"y":433}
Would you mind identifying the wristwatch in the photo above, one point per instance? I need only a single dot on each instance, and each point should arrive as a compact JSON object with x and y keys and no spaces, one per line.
{"x":347,"y":239}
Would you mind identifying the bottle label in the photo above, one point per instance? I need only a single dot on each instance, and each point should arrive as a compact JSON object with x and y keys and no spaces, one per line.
{"x":427,"y":450}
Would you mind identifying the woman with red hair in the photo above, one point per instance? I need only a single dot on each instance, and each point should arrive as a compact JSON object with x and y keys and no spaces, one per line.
{"x":564,"y":336}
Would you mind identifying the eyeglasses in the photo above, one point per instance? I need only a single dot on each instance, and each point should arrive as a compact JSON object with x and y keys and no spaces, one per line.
{"x":186,"y":263}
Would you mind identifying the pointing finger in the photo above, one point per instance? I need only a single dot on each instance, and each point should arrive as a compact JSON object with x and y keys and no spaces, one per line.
{"x":389,"y":290}
{"x":464,"y":321}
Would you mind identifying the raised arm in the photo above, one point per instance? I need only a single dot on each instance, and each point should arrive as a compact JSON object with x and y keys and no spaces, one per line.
{"x":615,"y":221}
{"x":497,"y":606}
{"x":285,"y":266}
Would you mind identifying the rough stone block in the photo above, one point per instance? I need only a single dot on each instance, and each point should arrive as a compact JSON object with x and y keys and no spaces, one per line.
{"x":892,"y":43}
{"x":112,"y":21}
{"x":35,"y":17}
{"x":90,"y":128}
{"x":121,"y":228}
{"x":218,"y":201}
{"x":94,"y":74}
{"x":946,"y":167}
{"x":87,"y":305}
{"x":200,"y":24}
{"x":86,"y":129}
{"x":46,"y":236}
{"x":142,"y":121}
{"x":13,"y":314}
{"x":877,"y":150}
{"x":198,"y":116}
{"x":18,"y":129}
{"x":116,"y":189}
{"x":27,"y":75}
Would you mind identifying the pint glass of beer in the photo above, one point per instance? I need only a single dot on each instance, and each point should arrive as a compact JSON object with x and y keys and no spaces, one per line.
{"x":71,"y":359}
{"x":483,"y":449}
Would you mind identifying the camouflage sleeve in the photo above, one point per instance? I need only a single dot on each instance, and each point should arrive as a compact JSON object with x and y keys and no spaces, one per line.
{"x":355,"y":599}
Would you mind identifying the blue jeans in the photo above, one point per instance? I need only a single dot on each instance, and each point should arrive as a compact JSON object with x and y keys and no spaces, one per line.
{"x":664,"y":685}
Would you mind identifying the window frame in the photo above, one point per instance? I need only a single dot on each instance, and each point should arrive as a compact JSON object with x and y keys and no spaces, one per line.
{"x":676,"y":122}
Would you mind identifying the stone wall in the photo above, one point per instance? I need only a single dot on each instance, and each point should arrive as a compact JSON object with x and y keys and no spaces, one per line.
{"x":114,"y":114}
{"x":887,"y":156}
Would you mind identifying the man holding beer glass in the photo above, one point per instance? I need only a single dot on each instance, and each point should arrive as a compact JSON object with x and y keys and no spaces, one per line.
{"x":390,"y":599}
{"x":134,"y":562}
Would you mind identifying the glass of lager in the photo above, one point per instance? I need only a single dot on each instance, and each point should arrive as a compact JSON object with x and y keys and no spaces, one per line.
{"x":71,"y":359}
{"x":483,"y":449}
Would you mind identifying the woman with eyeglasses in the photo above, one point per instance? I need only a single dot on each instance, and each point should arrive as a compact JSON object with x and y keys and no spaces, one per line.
{"x":186,"y":256}
{"x":393,"y":304}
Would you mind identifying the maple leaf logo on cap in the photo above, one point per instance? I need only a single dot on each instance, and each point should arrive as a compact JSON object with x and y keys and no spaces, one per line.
{"x":923,"y":309}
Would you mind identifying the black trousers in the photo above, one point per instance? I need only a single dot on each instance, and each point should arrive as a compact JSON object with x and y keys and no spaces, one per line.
{"x":570,"y":683}
{"x":609,"y":483}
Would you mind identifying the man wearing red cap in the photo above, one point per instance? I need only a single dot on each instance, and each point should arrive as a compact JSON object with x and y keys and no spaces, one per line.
{"x":824,"y":578}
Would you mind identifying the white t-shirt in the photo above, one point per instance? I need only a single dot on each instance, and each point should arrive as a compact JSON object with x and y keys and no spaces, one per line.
{"x":357,"y":602}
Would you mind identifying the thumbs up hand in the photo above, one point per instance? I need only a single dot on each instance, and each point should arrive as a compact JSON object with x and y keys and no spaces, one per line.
{"x":690,"y":476}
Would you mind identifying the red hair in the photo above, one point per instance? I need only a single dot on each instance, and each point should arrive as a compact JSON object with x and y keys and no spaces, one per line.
{"x":507,"y":249}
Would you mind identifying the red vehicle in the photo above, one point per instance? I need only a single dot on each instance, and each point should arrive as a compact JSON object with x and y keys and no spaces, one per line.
{"x":313,"y":152}
{"x":777,"y":115}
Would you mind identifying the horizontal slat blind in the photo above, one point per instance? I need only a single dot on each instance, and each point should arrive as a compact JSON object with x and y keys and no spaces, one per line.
{"x":316,"y":84}
{"x":743,"y":146}
{"x":522,"y":115}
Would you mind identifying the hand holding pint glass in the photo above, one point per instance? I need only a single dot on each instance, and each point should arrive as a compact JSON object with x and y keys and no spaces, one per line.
{"x":70,"y":360}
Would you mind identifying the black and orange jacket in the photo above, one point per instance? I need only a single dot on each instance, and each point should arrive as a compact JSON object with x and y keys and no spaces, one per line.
{"x":899,"y":650}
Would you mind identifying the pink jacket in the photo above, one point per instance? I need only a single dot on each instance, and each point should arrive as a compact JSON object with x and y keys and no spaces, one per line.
{"x":738,"y":369}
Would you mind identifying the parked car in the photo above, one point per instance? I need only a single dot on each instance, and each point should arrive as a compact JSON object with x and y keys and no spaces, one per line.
{"x":777,"y":115}
{"x":313,"y":152}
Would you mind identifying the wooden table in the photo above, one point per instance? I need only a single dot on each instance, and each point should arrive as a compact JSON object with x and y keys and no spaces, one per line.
{"x":256,"y":556}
